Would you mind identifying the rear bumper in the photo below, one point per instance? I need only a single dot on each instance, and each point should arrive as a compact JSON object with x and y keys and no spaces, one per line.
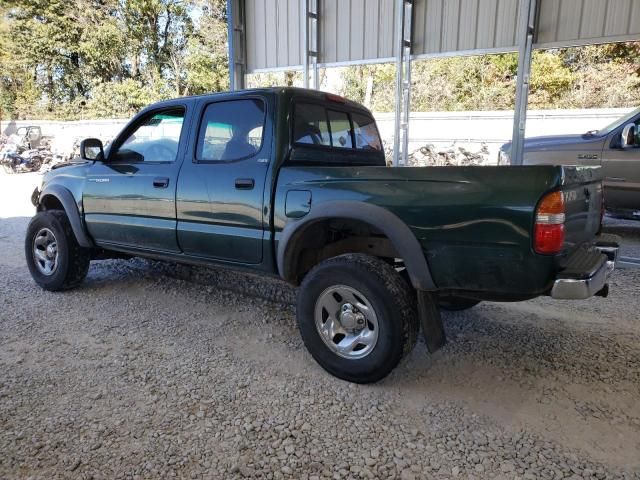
{"x":576,"y":285}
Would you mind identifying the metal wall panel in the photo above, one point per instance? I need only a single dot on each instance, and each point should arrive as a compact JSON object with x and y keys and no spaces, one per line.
{"x":580,"y":22}
{"x":274,"y":34}
{"x":635,"y":19}
{"x":357,"y":31}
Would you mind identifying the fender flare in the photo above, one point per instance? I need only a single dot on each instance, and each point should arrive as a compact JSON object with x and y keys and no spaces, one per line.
{"x":395,"y":229}
{"x":70,"y":206}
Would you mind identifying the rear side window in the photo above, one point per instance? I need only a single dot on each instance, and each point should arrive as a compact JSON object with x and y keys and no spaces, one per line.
{"x":366,"y":133}
{"x":340,"y":129}
{"x":318,"y":125}
{"x":311,"y":125}
{"x":231,"y":130}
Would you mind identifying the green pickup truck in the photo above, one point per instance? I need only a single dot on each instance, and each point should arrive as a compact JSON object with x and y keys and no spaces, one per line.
{"x":293,"y":183}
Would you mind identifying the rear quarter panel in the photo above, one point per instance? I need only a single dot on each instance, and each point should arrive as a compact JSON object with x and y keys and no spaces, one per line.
{"x":474,"y":223}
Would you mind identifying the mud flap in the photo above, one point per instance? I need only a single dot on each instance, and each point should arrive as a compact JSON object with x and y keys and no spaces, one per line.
{"x":430,"y":320}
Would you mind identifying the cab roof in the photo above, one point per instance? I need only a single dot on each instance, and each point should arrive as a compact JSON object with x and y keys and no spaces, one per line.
{"x":290,"y":92}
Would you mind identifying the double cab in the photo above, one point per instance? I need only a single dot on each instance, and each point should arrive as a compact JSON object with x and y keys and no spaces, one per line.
{"x":293,"y":183}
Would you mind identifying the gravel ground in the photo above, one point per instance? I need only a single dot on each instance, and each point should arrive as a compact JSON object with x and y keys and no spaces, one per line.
{"x":141,"y":374}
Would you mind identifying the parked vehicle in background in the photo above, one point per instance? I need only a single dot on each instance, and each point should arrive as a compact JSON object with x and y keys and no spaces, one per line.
{"x":293,"y":182}
{"x":26,"y":161}
{"x":30,"y":136}
{"x":615,"y":147}
{"x":27,"y":150}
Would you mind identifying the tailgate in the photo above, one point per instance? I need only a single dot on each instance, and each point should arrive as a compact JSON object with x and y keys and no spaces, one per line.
{"x":582,"y":189}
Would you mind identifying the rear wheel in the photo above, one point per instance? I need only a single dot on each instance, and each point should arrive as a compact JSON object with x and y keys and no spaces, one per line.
{"x":357,"y":317}
{"x":455,"y":304}
{"x":54,"y":258}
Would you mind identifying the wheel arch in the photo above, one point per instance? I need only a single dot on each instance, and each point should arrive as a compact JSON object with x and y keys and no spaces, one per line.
{"x":58,"y":196}
{"x":399,"y":234}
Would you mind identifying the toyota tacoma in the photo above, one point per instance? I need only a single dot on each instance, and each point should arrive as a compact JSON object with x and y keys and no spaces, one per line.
{"x":293,"y":183}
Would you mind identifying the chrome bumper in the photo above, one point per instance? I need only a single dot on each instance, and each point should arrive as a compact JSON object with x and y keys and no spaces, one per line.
{"x":579,"y":289}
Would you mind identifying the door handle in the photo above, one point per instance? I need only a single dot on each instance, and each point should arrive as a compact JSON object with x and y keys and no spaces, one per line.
{"x":161,"y":182}
{"x":616,"y":179}
{"x":245,"y":183}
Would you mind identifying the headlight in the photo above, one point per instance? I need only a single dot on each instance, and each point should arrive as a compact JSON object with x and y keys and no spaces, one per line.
{"x":504,"y":158}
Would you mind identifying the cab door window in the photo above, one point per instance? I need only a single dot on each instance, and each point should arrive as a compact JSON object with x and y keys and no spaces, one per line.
{"x":155,"y":139}
{"x":231,"y":130}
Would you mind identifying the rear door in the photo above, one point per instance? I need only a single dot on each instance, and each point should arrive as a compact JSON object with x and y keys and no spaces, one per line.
{"x":220,"y":198}
{"x":621,"y":168}
{"x":129,"y":199}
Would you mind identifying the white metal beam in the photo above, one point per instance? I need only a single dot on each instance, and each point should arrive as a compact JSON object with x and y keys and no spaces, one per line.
{"x":404,"y":36}
{"x":525,"y":51}
{"x":237,"y":44}
{"x":311,"y":43}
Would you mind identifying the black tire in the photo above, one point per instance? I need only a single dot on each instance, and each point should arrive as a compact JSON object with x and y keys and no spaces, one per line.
{"x":391,"y":299}
{"x":456,"y":304}
{"x":72,"y":262}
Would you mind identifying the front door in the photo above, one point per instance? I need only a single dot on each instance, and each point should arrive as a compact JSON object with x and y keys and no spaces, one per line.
{"x":621,"y":169}
{"x":129,"y":199}
{"x":222,"y":183}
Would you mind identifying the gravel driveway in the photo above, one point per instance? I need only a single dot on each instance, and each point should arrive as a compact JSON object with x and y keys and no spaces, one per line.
{"x":141,"y":374}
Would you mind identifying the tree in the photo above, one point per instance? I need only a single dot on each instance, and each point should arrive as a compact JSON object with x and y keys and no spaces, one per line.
{"x":206,"y":62}
{"x":63,"y":59}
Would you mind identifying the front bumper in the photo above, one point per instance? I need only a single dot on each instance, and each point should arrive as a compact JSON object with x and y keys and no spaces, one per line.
{"x":581,"y":283}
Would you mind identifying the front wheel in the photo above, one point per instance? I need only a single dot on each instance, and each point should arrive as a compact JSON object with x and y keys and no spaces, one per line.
{"x":54,"y":258}
{"x":357,"y":317}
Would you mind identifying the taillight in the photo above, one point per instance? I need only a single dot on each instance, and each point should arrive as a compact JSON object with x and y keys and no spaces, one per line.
{"x":549,"y":228}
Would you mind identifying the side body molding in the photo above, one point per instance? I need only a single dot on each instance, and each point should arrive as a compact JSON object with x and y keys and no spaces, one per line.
{"x":395,"y":229}
{"x":71,"y":208}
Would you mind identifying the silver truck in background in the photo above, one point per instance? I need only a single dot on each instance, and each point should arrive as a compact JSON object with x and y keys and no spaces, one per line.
{"x":615,"y":147}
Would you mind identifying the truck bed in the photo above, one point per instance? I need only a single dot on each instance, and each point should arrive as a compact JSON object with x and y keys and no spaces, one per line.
{"x":474,"y":223}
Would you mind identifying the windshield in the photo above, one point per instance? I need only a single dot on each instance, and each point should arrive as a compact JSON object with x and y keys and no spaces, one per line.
{"x":618,"y":122}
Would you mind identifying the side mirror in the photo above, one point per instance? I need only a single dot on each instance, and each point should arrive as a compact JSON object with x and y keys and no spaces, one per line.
{"x":628,"y":137}
{"x":91,"y":149}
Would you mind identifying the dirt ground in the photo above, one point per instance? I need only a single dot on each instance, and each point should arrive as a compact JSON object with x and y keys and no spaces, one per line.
{"x":141,"y":374}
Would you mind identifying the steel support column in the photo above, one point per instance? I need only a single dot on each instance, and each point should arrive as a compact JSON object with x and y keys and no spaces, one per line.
{"x":311,"y":43}
{"x":404,"y":36}
{"x":237,"y":44}
{"x":528,"y":25}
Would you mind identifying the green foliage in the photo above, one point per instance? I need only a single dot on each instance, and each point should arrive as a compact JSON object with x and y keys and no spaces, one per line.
{"x":551,"y":79}
{"x":61,"y":59}
{"x":98,"y":58}
{"x":115,"y":99}
{"x":581,"y":77}
{"x":206,"y":63}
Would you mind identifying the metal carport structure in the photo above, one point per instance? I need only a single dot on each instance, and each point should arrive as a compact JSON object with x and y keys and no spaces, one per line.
{"x":279,"y":35}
